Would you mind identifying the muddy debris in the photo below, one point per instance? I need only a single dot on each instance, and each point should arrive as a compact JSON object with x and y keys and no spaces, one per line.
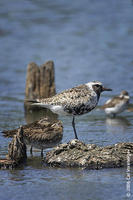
{"x":89,"y":156}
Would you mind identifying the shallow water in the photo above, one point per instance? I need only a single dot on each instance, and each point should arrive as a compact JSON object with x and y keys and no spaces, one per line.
{"x":87,"y":40}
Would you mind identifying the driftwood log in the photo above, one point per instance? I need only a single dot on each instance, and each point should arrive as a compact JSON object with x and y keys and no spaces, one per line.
{"x":40,"y":81}
{"x":16,"y":152}
{"x":17,"y":147}
{"x":89,"y":156}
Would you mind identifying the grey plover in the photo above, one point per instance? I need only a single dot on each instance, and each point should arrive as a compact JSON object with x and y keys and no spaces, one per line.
{"x":75,"y":101}
{"x":117,"y":104}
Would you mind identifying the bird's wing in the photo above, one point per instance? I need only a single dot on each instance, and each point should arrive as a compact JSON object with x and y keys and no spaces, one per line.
{"x":112,"y":102}
{"x":76,"y":95}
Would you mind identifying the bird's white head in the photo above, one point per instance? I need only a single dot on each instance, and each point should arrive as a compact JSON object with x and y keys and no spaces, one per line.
{"x":97,"y":87}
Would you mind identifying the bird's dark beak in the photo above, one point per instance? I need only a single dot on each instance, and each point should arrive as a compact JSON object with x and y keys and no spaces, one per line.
{"x":106,"y":89}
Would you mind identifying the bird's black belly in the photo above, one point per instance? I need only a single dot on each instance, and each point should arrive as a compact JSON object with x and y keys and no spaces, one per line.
{"x":78,"y":110}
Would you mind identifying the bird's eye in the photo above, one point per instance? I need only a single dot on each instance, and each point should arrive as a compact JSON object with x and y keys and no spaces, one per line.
{"x":97,"y":85}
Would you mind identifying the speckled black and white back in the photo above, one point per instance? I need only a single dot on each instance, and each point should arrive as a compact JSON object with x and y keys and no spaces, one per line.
{"x":75,"y":101}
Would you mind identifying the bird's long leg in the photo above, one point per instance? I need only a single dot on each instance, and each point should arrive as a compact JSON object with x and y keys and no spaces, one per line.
{"x":114,"y":115}
{"x":42,"y":152}
{"x":31,"y":150}
{"x":73,"y":125}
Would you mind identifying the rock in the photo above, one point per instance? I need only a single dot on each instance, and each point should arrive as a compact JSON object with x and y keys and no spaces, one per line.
{"x":41,"y":134}
{"x":77,"y":154}
{"x":40,"y":81}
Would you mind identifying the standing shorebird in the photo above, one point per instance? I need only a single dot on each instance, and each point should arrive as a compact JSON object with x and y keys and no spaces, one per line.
{"x":117,"y":104}
{"x":75,"y":101}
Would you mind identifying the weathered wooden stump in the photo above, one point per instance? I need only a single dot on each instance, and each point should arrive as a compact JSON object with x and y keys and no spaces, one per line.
{"x":16,"y":152}
{"x":40,"y":81}
{"x":17,"y":147}
{"x":90,"y":156}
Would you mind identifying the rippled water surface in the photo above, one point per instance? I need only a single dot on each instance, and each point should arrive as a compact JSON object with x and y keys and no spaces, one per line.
{"x":87,"y":40}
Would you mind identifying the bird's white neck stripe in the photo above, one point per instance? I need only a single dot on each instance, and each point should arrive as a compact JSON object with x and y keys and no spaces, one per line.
{"x":89,"y":86}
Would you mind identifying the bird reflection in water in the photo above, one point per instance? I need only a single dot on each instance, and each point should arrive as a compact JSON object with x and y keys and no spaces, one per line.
{"x":118,"y":124}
